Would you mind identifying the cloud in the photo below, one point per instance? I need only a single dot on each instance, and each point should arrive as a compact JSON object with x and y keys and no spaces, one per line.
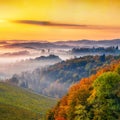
{"x":14,"y":54}
{"x":3,"y":42}
{"x":48,"y":23}
{"x":64,"y":25}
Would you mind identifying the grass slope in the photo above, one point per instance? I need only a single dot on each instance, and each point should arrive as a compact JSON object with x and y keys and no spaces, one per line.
{"x":8,"y":112}
{"x":15,"y":97}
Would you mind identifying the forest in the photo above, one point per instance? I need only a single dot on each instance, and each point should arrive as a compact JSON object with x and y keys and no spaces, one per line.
{"x":102,"y":50}
{"x":55,"y":80}
{"x":96,"y":97}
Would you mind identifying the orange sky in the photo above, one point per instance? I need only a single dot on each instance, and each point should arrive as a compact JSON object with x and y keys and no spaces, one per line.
{"x":59,"y":19}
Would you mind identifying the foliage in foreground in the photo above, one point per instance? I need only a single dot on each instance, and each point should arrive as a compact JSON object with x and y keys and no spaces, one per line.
{"x":93,"y":98}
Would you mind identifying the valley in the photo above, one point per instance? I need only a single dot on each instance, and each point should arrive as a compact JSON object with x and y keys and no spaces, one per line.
{"x":41,"y":76}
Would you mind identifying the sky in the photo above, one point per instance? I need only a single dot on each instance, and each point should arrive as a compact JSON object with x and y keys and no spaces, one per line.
{"x":55,"y":20}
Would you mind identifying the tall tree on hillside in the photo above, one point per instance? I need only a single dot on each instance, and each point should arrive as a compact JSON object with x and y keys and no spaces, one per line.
{"x":105,"y":99}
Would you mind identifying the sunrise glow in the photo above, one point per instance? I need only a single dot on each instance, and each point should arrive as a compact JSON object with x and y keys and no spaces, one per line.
{"x":58,"y":19}
{"x":2,"y":21}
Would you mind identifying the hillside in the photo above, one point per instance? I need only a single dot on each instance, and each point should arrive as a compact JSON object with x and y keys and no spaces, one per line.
{"x":56,"y":79}
{"x":94,"y":98}
{"x":19,"y":99}
{"x":8,"y":112}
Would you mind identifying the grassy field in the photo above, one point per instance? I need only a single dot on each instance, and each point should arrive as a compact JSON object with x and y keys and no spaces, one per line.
{"x":8,"y":112}
{"x":23,"y":102}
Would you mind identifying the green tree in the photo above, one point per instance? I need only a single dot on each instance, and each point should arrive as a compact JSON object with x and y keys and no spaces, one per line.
{"x":81,"y":113}
{"x":106,"y":103}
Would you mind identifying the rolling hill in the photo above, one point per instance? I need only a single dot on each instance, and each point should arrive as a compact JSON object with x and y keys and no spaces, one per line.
{"x":8,"y":112}
{"x":56,"y":79}
{"x":17,"y":103}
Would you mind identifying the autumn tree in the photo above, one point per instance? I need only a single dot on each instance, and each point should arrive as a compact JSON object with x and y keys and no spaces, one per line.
{"x":94,"y":98}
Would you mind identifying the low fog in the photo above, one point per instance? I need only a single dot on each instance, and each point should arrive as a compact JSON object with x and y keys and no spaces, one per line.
{"x":19,"y":60}
{"x":27,"y":64}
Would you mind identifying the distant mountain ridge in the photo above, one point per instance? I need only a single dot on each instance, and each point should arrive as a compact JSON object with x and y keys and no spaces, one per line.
{"x":89,"y":42}
{"x":35,"y":45}
{"x":63,"y":44}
